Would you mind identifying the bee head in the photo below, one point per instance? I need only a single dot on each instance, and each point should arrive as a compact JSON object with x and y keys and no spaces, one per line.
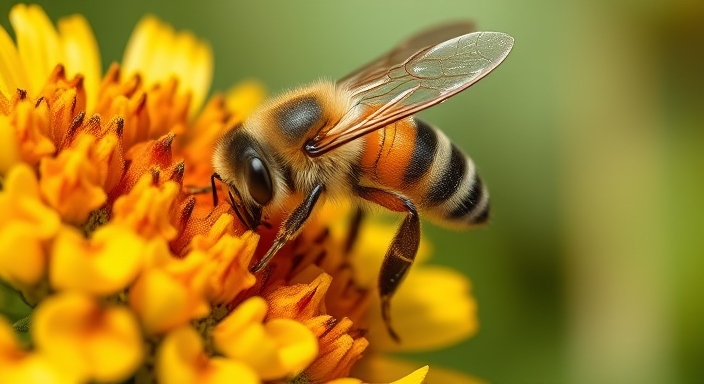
{"x":245,"y":167}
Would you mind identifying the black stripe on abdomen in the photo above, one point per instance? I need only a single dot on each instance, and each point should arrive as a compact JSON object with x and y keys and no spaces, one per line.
{"x":450,"y":179}
{"x":470,"y":199}
{"x":424,"y":149}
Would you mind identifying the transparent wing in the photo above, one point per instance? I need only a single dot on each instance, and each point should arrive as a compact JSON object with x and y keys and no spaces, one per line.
{"x":407,"y":48}
{"x":428,"y":77}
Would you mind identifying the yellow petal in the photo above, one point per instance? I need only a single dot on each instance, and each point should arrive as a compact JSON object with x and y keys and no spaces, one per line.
{"x":379,"y":369}
{"x":26,"y":224}
{"x":280,"y":348}
{"x":371,"y":246}
{"x":432,"y":309}
{"x":12,"y":74}
{"x":91,"y":342}
{"x":37,"y":42}
{"x":416,"y":377}
{"x":81,"y":54}
{"x":182,"y":360}
{"x":244,"y":97}
{"x":103,"y":265}
{"x":169,"y":295}
{"x":344,"y":380}
{"x":157,"y":52}
{"x":22,"y":256}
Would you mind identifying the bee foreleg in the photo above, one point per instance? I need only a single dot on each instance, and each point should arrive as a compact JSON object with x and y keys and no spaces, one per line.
{"x":291,"y":226}
{"x":402,"y":251}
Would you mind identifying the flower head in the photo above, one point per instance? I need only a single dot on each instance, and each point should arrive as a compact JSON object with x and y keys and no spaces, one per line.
{"x":133,"y":276}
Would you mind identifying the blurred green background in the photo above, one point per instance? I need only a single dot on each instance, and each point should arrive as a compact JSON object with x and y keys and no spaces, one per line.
{"x":590,"y":137}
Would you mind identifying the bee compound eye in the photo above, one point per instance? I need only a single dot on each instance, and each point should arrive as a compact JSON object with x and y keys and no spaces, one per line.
{"x":259,"y":181}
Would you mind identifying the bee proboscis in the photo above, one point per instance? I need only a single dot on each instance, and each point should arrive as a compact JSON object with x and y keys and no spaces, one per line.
{"x":357,"y":137}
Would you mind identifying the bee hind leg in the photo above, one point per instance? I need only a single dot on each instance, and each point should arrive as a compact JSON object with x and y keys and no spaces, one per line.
{"x":402,"y":251}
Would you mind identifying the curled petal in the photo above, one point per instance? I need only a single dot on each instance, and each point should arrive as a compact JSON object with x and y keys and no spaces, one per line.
{"x":230,"y":256}
{"x":147,"y":209}
{"x":277,"y":349}
{"x":299,"y":301}
{"x":21,"y":366}
{"x":26,"y":225}
{"x":340,"y":348}
{"x":181,"y":359}
{"x":171,"y":292}
{"x":30,"y":126}
{"x":103,"y":265}
{"x":87,"y":340}
{"x":70,"y":183}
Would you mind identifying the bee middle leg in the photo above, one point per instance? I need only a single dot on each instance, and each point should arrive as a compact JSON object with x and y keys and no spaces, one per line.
{"x":402,"y":251}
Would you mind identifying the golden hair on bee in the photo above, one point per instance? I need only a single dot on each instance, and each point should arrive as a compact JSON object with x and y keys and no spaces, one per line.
{"x":357,"y":138}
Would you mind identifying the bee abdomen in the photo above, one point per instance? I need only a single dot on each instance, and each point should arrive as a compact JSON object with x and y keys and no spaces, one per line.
{"x":454,"y":193}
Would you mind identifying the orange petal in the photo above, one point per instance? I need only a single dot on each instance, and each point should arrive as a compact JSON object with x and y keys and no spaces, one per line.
{"x":70,"y":182}
{"x":299,"y":301}
{"x":31,"y":127}
{"x":9,"y":145}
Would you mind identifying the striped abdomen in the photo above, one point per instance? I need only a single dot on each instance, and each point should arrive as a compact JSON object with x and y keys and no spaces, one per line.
{"x":419,"y":161}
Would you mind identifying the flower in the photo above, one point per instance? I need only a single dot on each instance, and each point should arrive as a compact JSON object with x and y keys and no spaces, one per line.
{"x":130,"y":275}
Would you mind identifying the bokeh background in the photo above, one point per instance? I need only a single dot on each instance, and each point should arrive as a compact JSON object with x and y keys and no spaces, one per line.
{"x":590,"y":137}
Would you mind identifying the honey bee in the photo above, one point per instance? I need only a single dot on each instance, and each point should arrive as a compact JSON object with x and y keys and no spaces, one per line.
{"x":357,"y":138}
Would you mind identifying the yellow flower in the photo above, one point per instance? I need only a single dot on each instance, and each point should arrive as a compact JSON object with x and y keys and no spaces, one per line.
{"x":131,"y":277}
{"x":87,"y":340}
{"x":26,"y":226}
{"x":181,"y":358}
{"x":104,"y":264}
{"x":19,"y":365}
{"x":278,"y":348}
